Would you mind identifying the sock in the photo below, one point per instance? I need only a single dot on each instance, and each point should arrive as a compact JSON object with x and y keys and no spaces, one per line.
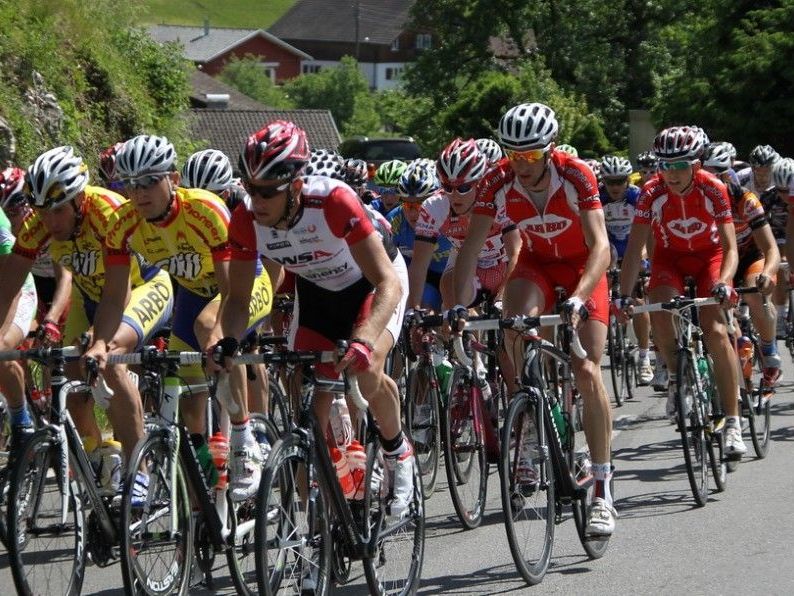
{"x":733,"y":421}
{"x":672,"y":379}
{"x":396,"y":446}
{"x":643,"y":355}
{"x":602,"y":474}
{"x":241,"y":434}
{"x":768,"y":348}
{"x":20,"y":416}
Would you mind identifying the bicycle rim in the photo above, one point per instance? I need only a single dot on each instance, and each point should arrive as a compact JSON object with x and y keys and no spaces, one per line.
{"x":157,"y":532}
{"x":46,"y":553}
{"x":396,"y":567}
{"x":691,"y":428}
{"x":616,"y":361}
{"x":759,"y":418}
{"x":293,"y":549}
{"x":528,"y":507}
{"x":424,"y":430}
{"x":465,"y":458}
{"x":279,"y":412}
{"x":717,"y":463}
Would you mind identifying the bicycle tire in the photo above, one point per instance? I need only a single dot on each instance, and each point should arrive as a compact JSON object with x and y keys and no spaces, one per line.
{"x":146,"y":528}
{"x":278,"y":408}
{"x":35,"y":480}
{"x":717,"y":462}
{"x":759,"y":415}
{"x":465,"y":457}
{"x":630,"y":366}
{"x":396,"y":567}
{"x":692,"y":430}
{"x":526,"y":509}
{"x":617,"y":364}
{"x":426,"y":435}
{"x":291,"y":531}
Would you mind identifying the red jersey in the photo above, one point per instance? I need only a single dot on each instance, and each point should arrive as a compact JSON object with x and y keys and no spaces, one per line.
{"x":555,"y":231}
{"x":685,"y":223}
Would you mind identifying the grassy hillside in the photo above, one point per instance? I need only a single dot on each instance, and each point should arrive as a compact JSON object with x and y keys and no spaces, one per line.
{"x":246,"y":14}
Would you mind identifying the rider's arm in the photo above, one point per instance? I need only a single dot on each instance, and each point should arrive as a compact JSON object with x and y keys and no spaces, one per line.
{"x":115,"y":296}
{"x":790,"y":232}
{"x":63,"y":290}
{"x":276,"y":273}
{"x":417,"y":271}
{"x":730,"y":256}
{"x":765,"y":241}
{"x":15,"y":270}
{"x":632,"y":258}
{"x":595,"y":236}
{"x":466,"y":263}
{"x":512,"y":241}
{"x":234,"y":309}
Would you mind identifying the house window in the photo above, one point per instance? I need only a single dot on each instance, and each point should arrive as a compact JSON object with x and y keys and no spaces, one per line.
{"x":393,"y":73}
{"x":423,"y":41}
{"x":311,"y":68}
{"x":269,"y":68}
{"x":395,"y":45}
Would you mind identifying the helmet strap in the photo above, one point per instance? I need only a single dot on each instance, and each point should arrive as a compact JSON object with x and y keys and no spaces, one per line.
{"x":78,"y":218}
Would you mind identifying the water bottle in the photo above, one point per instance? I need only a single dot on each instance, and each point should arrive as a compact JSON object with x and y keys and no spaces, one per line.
{"x":219,"y":449}
{"x":111,"y":466}
{"x":443,"y":371}
{"x":343,"y":472}
{"x":357,"y":460}
{"x":559,"y":422}
{"x":744,"y":347}
{"x":40,"y":397}
{"x":484,"y":385}
{"x":341,"y":426}
{"x":704,"y":383}
{"x":204,"y":459}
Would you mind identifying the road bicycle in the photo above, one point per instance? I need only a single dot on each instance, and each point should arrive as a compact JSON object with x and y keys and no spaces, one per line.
{"x":622,"y":357}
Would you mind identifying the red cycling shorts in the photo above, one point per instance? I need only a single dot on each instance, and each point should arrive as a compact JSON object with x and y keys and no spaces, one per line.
{"x":670,"y":268}
{"x":551,"y":274}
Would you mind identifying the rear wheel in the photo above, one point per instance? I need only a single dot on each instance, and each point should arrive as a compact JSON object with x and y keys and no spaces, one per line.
{"x":422,"y":419}
{"x":692,"y":429}
{"x":758,"y":415}
{"x":617,"y":360}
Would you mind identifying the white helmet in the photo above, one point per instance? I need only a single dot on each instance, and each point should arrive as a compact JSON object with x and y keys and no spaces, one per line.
{"x":56,"y":177}
{"x":461,"y":163}
{"x":783,"y":173}
{"x":145,"y":154}
{"x":528,"y":126}
{"x":209,"y":169}
{"x":613,"y":166}
{"x":490,"y":149}
{"x":717,"y":156}
{"x":763,"y":155}
{"x":325,"y":163}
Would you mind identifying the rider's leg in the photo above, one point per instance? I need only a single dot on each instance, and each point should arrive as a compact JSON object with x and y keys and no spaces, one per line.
{"x":521,"y":297}
{"x":715,"y":334}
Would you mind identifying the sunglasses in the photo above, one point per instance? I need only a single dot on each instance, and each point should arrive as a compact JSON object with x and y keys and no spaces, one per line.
{"x":529,"y":156}
{"x":266,"y":192}
{"x":648,"y":171}
{"x":666,"y":166}
{"x":143,"y":182}
{"x":615,"y":181}
{"x":411,"y":206}
{"x":385,"y":190}
{"x":460,"y":188}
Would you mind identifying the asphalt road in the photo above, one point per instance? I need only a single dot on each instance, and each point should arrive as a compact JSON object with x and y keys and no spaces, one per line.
{"x":740,"y":543}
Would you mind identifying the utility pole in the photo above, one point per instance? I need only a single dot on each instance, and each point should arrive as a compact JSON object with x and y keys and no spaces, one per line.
{"x":356,"y":8}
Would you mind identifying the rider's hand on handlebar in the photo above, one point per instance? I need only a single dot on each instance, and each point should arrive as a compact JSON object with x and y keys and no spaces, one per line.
{"x":765,"y":284}
{"x":94,"y":360}
{"x":624,"y":308}
{"x":219,"y":354}
{"x":358,"y":357}
{"x":49,"y":333}
{"x":725,"y":294}
{"x":574,"y":311}
{"x":456,"y":317}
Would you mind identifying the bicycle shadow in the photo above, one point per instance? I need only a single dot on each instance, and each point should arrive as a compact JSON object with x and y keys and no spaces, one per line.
{"x":655,"y":504}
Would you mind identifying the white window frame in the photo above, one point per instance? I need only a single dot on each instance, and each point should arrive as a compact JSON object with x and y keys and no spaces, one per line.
{"x":424,"y":41}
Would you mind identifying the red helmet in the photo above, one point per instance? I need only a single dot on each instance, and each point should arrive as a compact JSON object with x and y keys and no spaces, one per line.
{"x":107,"y":163}
{"x":679,"y":143}
{"x":461,"y":162}
{"x":276,"y":152}
{"x":12,"y":183}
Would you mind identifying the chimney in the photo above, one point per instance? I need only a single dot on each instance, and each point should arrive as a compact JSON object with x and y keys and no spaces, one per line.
{"x":217,"y":101}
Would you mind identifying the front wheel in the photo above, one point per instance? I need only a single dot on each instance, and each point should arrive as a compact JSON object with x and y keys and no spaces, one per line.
{"x":756,"y":408}
{"x":691,"y":426}
{"x":617,"y":360}
{"x":422,"y":419}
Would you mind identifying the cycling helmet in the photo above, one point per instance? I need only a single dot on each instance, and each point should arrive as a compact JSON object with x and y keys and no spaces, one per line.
{"x":145,"y":154}
{"x":569,"y":149}
{"x":647,"y":159}
{"x":356,"y":172}
{"x":783,"y":173}
{"x":107,"y":163}
{"x":731,"y":149}
{"x":209,"y":169}
{"x":418,"y":180}
{"x":388,"y":174}
{"x":613,"y":166}
{"x":325,"y":163}
{"x":276,"y":152}
{"x":461,"y":162}
{"x":528,"y":126}
{"x":12,"y":185}
{"x":491,"y":150}
{"x":679,"y":143}
{"x":56,"y":177}
{"x":717,"y":156}
{"x":763,"y":155}
{"x":595,"y":166}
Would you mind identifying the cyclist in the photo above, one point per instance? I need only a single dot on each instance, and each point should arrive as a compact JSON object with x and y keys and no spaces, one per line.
{"x":418,"y":182}
{"x":759,"y":256}
{"x":569,"y":149}
{"x":595,"y":167}
{"x":758,"y":177}
{"x":384,"y":184}
{"x":107,"y":168}
{"x":448,"y":213}
{"x":491,"y":150}
{"x":185,"y":233}
{"x":553,"y":198}
{"x":689,"y":211}
{"x":619,"y":200}
{"x":71,"y":218}
{"x":211,"y":170}
{"x":347,"y":284}
{"x":775,"y":203}
{"x":647,"y":163}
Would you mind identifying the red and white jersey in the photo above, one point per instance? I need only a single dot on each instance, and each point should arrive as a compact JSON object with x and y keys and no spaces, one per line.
{"x":317,"y":246}
{"x":555,"y":232}
{"x":685,"y":223}
{"x":436,"y":219}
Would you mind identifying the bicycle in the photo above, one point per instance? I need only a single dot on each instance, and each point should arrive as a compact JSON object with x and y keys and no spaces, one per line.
{"x":300,"y":493}
{"x":539,"y":468}
{"x":622,"y":361}
{"x":159,"y":536}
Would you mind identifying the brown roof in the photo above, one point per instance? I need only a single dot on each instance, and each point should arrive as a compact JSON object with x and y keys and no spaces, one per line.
{"x":381,"y":21}
{"x":203,"y":84}
{"x":227,"y":130}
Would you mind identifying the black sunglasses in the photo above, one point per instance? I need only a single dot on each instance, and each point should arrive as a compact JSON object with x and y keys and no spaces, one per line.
{"x":461,"y":188}
{"x":266,"y":192}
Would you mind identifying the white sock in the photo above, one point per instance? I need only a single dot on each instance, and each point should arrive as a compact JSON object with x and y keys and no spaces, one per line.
{"x":602,"y":474}
{"x":643,"y":355}
{"x":241,"y":434}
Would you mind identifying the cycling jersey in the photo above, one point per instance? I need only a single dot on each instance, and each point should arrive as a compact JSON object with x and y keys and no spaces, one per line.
{"x":618,"y":217}
{"x":776,"y":210}
{"x":404,"y":235}
{"x":685,"y":223}
{"x":437,"y":219}
{"x":7,"y":245}
{"x":26,"y":304}
{"x":748,"y":215}
{"x":82,"y":255}
{"x":745,"y":178}
{"x":186,"y":244}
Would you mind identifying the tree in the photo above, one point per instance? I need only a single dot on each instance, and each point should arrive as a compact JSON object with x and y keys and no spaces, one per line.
{"x":246,"y":75}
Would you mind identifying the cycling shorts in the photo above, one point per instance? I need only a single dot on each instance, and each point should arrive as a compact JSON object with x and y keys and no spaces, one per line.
{"x":670,"y":268}
{"x":487,"y":280}
{"x":750,"y":263}
{"x":548,"y":275}
{"x":26,"y":310}
{"x":322,"y":317}
{"x":148,"y":310}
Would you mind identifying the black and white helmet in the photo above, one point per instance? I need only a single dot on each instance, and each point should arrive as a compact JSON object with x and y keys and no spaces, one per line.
{"x":145,"y":154}
{"x":595,"y":166}
{"x":783,"y":173}
{"x":679,"y":143}
{"x":325,"y":163}
{"x":490,"y":149}
{"x":763,"y":155}
{"x":419,"y":179}
{"x":209,"y":169}
{"x":528,"y":126}
{"x":56,"y":177}
{"x":356,"y":172}
{"x":613,"y":166}
{"x":647,"y":159}
{"x":717,"y":156}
